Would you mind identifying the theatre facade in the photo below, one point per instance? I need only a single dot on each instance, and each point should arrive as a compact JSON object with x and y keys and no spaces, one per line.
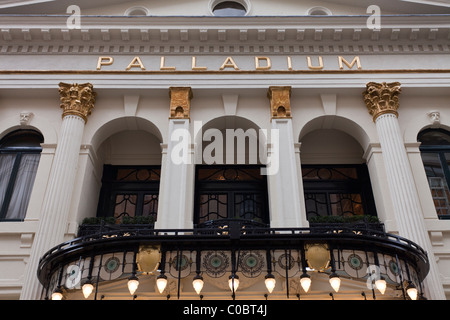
{"x":223,"y":150}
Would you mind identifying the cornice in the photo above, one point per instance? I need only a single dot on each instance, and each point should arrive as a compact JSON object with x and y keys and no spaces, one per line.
{"x":204,"y":31}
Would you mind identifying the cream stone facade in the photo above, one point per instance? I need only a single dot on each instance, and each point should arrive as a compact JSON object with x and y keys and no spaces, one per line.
{"x":180,"y":67}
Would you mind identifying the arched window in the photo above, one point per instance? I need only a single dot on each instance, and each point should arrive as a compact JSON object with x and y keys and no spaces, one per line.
{"x":229,"y":8}
{"x":435,"y":151}
{"x":20,"y":153}
{"x":319,"y":11}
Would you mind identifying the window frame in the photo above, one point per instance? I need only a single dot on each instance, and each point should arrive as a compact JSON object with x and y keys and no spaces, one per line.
{"x":362,"y":185}
{"x":231,"y":188}
{"x":440,"y":150}
{"x":19,"y":152}
{"x":112,"y":187}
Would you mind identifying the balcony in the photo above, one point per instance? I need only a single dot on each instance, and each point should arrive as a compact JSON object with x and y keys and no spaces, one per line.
{"x":235,"y":258}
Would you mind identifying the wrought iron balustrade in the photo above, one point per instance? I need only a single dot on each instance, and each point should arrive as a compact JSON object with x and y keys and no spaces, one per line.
{"x":230,"y":237}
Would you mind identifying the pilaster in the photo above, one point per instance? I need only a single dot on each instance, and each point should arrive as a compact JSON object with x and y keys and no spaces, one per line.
{"x":283,"y":181}
{"x":177,"y":171}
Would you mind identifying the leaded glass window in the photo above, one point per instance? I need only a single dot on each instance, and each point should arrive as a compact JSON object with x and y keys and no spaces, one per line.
{"x":129,"y":191}
{"x":337,"y":191}
{"x":230,"y":192}
{"x":435,"y":152}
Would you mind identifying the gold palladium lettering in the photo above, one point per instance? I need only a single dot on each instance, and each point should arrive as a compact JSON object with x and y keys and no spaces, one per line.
{"x":267,"y":66}
{"x":356,"y":60}
{"x":194,"y":65}
{"x":229,"y":63}
{"x":136,"y":63}
{"x":261,"y":64}
{"x":319,"y":67}
{"x":162,"y":65}
{"x":104,"y":61}
{"x":289,"y":63}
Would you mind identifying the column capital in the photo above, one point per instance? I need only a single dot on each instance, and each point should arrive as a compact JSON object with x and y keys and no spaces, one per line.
{"x":180,"y":102}
{"x":382,"y":98}
{"x":77,"y":99}
{"x":280,"y":102}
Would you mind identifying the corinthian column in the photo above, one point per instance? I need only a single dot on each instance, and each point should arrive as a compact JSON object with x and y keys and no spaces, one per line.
{"x":382,"y":101}
{"x":77,"y":102}
{"x":177,"y":169}
{"x":283,"y":170}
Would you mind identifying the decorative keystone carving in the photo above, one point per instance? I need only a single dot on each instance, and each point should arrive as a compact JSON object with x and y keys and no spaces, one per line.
{"x":180,"y":102}
{"x":77,"y":99}
{"x":25,"y":118}
{"x":382,"y":98}
{"x":280,"y":101}
{"x":435,"y":118}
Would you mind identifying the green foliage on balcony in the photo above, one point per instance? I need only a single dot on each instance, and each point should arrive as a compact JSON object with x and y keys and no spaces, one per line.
{"x":344,"y":219}
{"x":124,"y":220}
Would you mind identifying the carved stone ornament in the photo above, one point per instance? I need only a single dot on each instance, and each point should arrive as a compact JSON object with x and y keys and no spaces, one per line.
{"x":77,"y":99}
{"x":435,"y":118}
{"x":382,"y":98}
{"x":180,"y":102}
{"x":25,"y":118}
{"x":280,"y":102}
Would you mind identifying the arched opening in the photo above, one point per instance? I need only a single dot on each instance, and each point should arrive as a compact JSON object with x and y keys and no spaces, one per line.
{"x":229,"y":183}
{"x":20,"y":152}
{"x":129,"y":163}
{"x":435,"y":152}
{"x":137,"y":11}
{"x":229,"y":8}
{"x":335,"y":176}
{"x":319,"y":11}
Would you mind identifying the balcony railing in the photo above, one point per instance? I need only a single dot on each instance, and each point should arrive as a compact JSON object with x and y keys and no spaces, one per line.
{"x":235,"y":237}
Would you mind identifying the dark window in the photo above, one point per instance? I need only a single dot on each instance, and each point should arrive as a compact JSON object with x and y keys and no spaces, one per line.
{"x":20,"y":152}
{"x":337,"y":191}
{"x":229,"y":8}
{"x":435,"y":151}
{"x":231,"y":192}
{"x":129,"y":191}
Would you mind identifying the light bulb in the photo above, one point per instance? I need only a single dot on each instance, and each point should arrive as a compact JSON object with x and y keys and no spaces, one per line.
{"x":305,"y":282}
{"x":412,"y":291}
{"x":270,"y":282}
{"x":335,"y":281}
{"x":380,"y":284}
{"x":198,"y":284}
{"x":87,"y":289}
{"x":161,"y":283}
{"x":233,"y":281}
{"x":57,"y":295}
{"x":133,"y":284}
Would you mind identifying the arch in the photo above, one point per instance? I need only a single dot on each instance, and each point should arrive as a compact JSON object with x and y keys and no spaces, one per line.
{"x":250,"y":130}
{"x":123,"y":124}
{"x":420,"y":123}
{"x":245,"y":4}
{"x":319,"y":11}
{"x":137,"y":11}
{"x":338,"y":123}
{"x":37,"y":123}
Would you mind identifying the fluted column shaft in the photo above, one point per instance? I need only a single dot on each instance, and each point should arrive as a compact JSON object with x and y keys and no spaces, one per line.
{"x":58,"y":195}
{"x":408,"y":213}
